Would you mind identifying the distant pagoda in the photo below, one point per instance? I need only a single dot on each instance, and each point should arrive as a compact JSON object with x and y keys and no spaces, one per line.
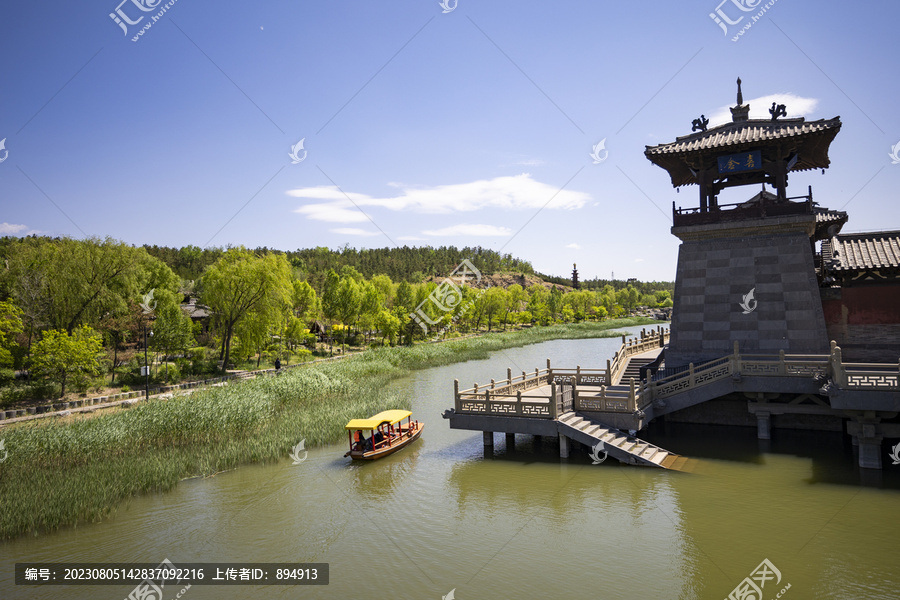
{"x":575,"y":283}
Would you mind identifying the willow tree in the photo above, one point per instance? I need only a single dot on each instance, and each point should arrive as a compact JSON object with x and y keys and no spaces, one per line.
{"x":67,"y":283}
{"x":242,"y":285}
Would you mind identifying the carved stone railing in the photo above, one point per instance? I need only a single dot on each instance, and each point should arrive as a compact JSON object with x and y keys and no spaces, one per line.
{"x":848,"y":376}
{"x":572,"y":389}
{"x":506,"y":399}
{"x":638,"y":345}
{"x":871,"y":376}
{"x":605,"y":399}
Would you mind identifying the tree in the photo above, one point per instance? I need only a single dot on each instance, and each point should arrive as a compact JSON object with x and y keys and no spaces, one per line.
{"x":172,"y":329}
{"x":119,"y":328}
{"x":515,"y":299}
{"x":241,"y":284}
{"x":494,"y":300}
{"x":371,"y":305}
{"x":78,"y":281}
{"x":405,"y":303}
{"x":10,"y":327}
{"x":555,"y":303}
{"x":306,"y":303}
{"x":389,"y":325}
{"x":385,"y":287}
{"x":349,"y":301}
{"x":59,"y":356}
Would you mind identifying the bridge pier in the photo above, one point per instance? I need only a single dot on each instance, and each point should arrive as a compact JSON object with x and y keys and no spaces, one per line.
{"x":510,"y":441}
{"x":867,"y":433}
{"x":488,"y":439}
{"x":763,"y":426}
{"x":563,"y":446}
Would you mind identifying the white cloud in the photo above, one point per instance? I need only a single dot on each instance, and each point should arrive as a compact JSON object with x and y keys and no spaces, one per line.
{"x":354,"y":231}
{"x":12,"y":229}
{"x":797,"y":106}
{"x":573,"y":246}
{"x":515,"y":192}
{"x":639,"y":260}
{"x":411,"y":238}
{"x":471,"y":229}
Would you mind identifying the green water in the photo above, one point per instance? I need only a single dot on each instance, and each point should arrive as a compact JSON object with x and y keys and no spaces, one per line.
{"x":517,"y":522}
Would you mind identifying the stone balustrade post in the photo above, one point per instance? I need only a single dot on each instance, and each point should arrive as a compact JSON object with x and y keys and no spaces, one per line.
{"x":781,"y":367}
{"x":691,"y":375}
{"x":554,"y":411}
{"x":632,"y":399}
{"x":509,"y":375}
{"x":838,"y":375}
{"x":519,"y":402}
{"x":608,"y":373}
{"x":493,"y":385}
{"x":456,"y":402}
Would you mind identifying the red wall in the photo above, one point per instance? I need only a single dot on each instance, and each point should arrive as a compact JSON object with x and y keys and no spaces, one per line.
{"x":865,"y":322}
{"x":864,"y":306}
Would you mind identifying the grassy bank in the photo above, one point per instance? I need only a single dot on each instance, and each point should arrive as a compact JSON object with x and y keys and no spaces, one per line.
{"x":66,"y":471}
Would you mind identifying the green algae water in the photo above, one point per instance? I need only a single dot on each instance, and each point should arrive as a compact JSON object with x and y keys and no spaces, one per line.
{"x":517,"y":522}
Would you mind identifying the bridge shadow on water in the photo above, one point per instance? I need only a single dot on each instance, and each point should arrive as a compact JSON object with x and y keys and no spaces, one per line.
{"x":834,"y":458}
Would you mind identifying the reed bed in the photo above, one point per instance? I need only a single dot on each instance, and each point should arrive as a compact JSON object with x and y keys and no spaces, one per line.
{"x":64,"y":472}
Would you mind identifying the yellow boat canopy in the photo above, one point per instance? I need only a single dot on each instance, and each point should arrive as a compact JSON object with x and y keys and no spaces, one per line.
{"x":391,"y":416}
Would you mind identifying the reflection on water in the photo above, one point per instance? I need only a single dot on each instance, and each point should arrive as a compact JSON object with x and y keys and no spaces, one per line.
{"x":380,"y":478}
{"x":519,"y":522}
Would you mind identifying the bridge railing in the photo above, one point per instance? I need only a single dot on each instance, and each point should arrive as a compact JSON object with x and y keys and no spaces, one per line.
{"x":645,"y":342}
{"x":850,"y":376}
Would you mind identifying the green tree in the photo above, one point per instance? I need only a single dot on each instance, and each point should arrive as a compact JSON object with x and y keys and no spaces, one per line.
{"x":117,"y":329}
{"x":79,"y":281}
{"x":385,"y":287}
{"x":389,"y":325}
{"x":306,"y":303}
{"x":515,"y":299}
{"x":349,"y":301}
{"x":371,"y":305}
{"x":172,"y":329}
{"x":59,"y":356}
{"x":10,"y":327}
{"x":241,"y":285}
{"x":494,"y":301}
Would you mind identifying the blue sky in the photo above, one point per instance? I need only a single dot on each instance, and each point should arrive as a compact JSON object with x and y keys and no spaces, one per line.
{"x":420,"y":127}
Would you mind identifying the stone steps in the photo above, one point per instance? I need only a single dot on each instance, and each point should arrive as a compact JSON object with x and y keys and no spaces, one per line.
{"x":616,"y":443}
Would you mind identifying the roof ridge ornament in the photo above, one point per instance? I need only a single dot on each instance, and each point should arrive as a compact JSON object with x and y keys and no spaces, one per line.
{"x":700,"y":124}
{"x":778,"y":111}
{"x":740,"y":112}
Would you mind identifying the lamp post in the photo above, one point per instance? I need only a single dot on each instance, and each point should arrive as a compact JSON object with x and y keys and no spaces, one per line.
{"x":146,"y":365}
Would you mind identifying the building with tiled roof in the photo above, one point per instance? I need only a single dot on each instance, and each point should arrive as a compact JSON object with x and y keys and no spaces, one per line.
{"x":860,"y":279}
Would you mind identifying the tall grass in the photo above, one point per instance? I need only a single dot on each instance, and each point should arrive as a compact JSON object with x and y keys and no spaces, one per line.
{"x":63,"y":472}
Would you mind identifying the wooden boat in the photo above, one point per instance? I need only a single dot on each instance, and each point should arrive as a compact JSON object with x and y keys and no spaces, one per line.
{"x":386,"y":434}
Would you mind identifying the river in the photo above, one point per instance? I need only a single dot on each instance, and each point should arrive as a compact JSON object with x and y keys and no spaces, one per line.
{"x":442,"y":515}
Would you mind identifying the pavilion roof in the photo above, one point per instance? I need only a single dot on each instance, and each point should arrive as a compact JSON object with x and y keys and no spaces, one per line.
{"x":808,"y":139}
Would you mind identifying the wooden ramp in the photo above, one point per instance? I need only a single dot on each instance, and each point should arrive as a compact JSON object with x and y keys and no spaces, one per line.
{"x":618,"y":444}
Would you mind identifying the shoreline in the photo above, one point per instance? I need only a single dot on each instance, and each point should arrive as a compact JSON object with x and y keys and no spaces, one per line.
{"x":63,"y":472}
